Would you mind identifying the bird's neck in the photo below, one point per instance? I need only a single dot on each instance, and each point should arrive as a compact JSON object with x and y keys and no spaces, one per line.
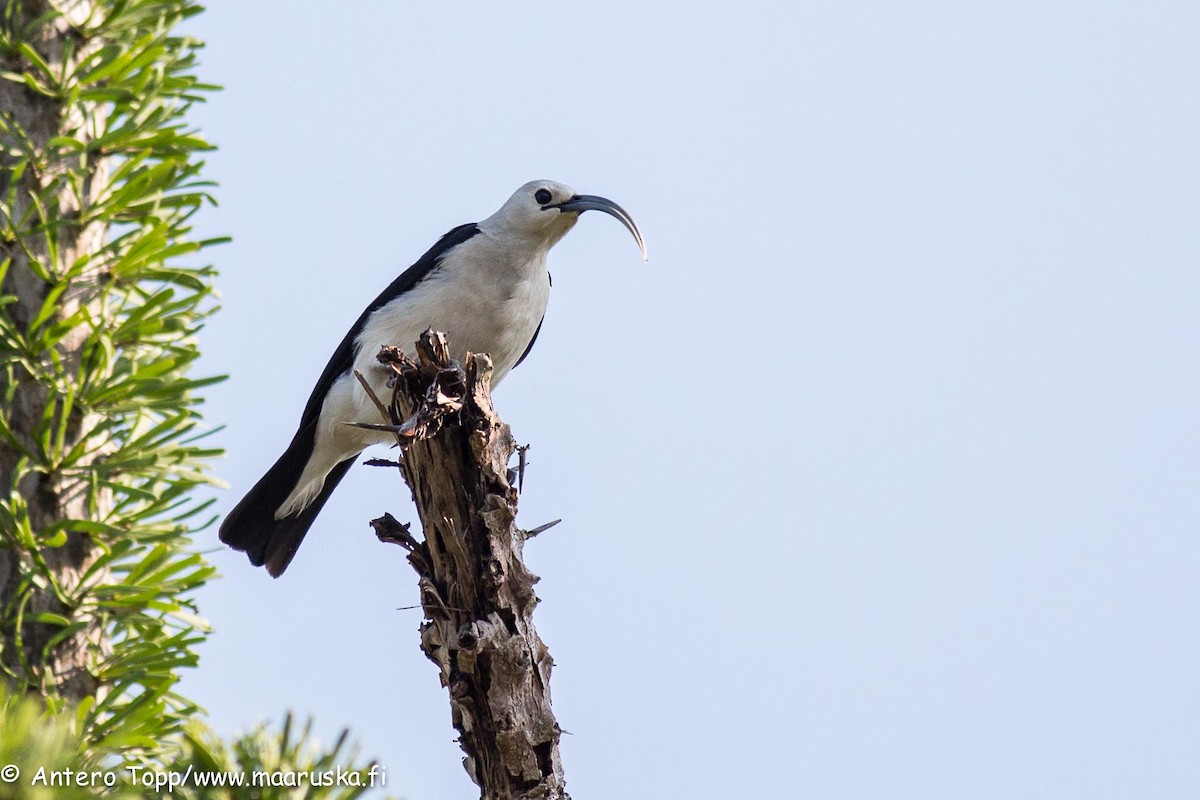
{"x":526,"y":245}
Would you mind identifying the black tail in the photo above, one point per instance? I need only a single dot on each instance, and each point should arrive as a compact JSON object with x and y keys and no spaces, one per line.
{"x":251,"y":526}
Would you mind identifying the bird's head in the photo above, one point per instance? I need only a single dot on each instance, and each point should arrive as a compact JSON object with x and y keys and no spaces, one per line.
{"x":543,"y":211}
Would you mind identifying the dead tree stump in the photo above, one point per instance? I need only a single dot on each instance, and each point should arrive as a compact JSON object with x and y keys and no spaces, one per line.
{"x":476,"y":591}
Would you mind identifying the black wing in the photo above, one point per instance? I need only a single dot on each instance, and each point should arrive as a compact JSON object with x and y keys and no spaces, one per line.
{"x":530,"y":345}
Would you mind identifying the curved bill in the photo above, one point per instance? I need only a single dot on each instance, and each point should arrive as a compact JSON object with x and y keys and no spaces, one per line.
{"x":590,"y":202}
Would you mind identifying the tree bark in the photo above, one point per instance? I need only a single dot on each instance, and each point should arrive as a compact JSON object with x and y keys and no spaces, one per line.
{"x":51,"y":245}
{"x":476,"y":591}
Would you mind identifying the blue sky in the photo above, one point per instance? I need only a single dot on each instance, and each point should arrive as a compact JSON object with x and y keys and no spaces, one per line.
{"x":881,"y":479}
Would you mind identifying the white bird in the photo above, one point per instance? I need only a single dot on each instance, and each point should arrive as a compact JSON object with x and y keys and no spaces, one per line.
{"x":484,"y":284}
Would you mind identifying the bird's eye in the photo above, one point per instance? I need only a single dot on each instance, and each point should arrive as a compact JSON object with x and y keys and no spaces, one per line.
{"x":542,"y":196}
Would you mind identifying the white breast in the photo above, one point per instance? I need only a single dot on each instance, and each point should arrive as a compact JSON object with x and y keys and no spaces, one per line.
{"x":484,"y":296}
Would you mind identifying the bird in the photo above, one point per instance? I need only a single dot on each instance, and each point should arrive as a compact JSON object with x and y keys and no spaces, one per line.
{"x":485,"y":284}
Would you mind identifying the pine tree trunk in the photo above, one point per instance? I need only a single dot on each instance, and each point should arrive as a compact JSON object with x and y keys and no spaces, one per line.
{"x":476,"y":592}
{"x":45,"y":208}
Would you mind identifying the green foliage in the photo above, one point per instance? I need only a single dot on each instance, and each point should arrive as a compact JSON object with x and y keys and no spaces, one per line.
{"x":98,"y":324}
{"x":285,"y":765}
{"x":32,"y":740}
{"x":101,"y":442}
{"x":46,"y":759}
